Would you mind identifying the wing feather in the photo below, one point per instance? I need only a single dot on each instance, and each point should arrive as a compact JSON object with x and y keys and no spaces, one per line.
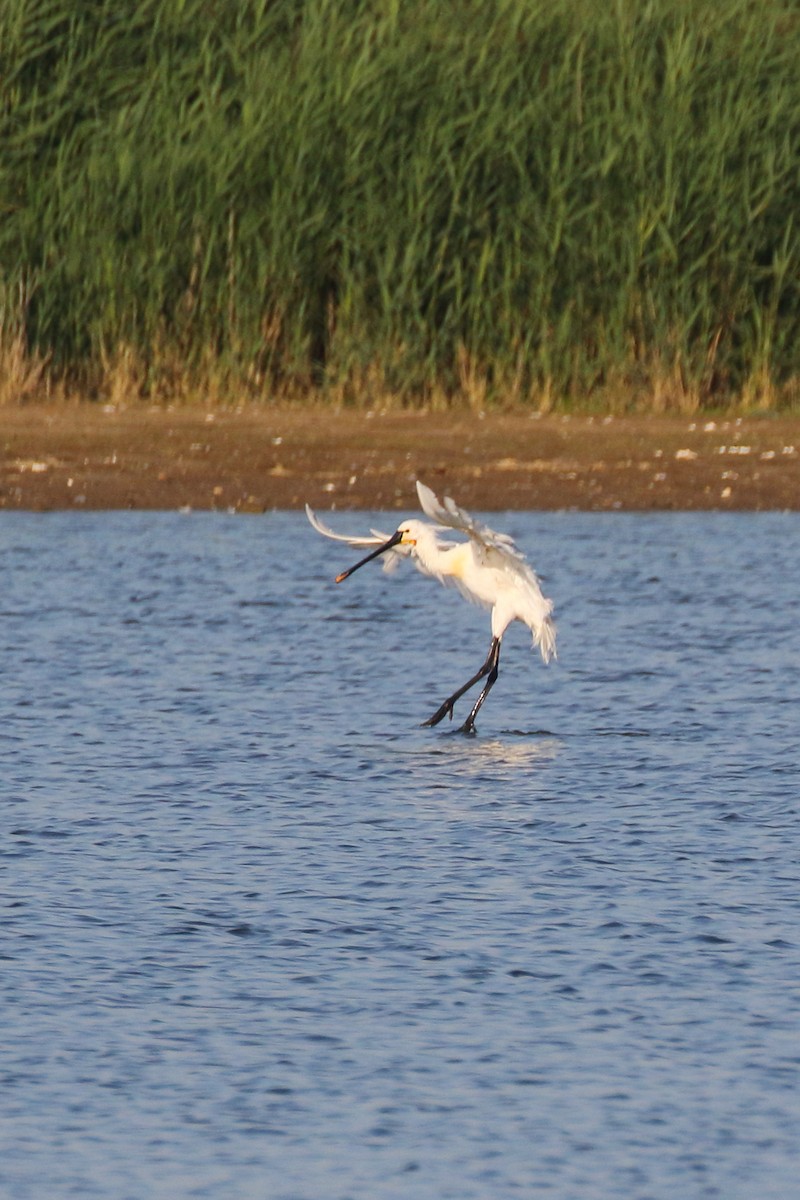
{"x":449,"y":514}
{"x":357,"y":541}
{"x":391,"y":559}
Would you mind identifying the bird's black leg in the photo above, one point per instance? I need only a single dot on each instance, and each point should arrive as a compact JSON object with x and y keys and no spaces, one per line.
{"x":469,"y":724}
{"x":489,"y":668}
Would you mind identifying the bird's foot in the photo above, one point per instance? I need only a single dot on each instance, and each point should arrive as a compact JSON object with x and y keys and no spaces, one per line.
{"x":446,"y":710}
{"x":468,"y":728}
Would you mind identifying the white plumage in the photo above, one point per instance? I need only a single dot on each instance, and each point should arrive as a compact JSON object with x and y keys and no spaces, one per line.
{"x":488,"y":569}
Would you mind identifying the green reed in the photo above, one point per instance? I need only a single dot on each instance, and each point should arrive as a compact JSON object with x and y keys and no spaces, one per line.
{"x":547,"y":201}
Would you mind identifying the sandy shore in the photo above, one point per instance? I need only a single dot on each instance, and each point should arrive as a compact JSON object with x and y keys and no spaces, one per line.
{"x":87,"y":456}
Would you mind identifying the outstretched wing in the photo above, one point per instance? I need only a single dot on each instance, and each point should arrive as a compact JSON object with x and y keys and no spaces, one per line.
{"x":375,"y":537}
{"x":448,"y":513}
{"x":363,"y":542}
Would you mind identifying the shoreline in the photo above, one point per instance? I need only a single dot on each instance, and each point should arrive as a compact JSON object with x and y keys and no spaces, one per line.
{"x":94,"y":457}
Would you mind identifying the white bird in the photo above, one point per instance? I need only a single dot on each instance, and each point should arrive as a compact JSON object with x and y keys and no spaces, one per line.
{"x":488,"y":569}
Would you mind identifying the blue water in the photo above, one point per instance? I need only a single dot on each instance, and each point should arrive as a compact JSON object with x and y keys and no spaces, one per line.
{"x":263,"y":936}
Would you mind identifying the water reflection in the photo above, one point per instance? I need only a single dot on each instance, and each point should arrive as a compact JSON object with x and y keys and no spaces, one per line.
{"x":511,"y":751}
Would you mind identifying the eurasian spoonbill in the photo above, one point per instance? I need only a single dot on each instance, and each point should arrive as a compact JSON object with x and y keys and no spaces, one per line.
{"x":488,"y":569}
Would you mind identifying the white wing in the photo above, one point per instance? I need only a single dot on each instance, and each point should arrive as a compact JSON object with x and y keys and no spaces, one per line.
{"x":357,"y":542}
{"x":361,"y":542}
{"x":453,"y":517}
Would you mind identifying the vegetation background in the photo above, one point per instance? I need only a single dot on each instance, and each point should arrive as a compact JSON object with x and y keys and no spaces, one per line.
{"x":541,"y":203}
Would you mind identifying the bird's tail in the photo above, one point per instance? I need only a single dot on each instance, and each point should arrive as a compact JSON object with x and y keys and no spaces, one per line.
{"x":544,"y":636}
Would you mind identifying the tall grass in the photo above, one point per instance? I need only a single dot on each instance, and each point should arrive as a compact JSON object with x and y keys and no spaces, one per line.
{"x":544,"y":201}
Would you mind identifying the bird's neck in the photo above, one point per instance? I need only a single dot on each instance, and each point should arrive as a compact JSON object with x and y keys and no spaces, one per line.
{"x":435,"y":559}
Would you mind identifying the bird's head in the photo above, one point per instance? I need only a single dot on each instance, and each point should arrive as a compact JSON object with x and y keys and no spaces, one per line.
{"x":407,"y":535}
{"x":411,"y":532}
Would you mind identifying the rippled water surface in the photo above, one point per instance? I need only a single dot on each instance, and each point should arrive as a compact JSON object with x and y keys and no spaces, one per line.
{"x":265,"y":937}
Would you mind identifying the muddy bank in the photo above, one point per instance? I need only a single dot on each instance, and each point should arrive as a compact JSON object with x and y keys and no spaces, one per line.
{"x":90,"y":457}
